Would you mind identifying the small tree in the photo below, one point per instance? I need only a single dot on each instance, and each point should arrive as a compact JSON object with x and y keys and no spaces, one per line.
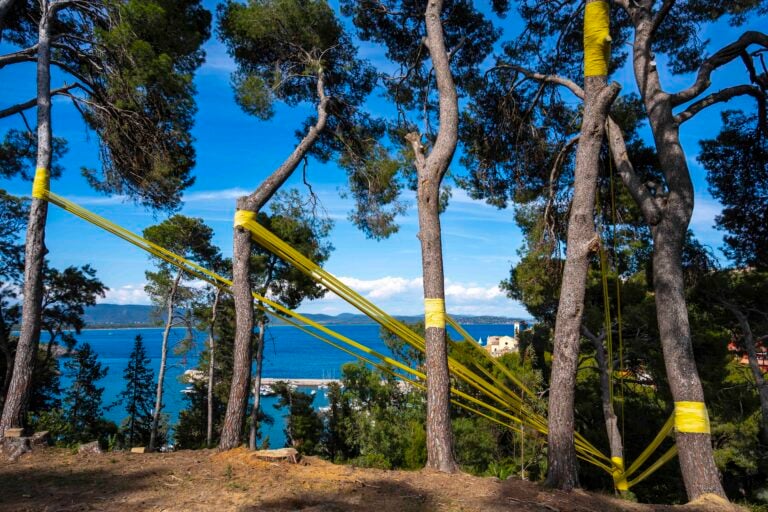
{"x":737,"y":172}
{"x":12,"y":220}
{"x":190,"y":238}
{"x":137,"y":396}
{"x":304,"y":428}
{"x":294,"y":222}
{"x":65,"y":296}
{"x":82,"y":400}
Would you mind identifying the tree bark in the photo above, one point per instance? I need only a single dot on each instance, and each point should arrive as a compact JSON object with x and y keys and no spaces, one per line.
{"x":581,"y":241}
{"x":431,"y":170}
{"x":15,"y":405}
{"x":211,"y":366}
{"x":232,"y":429}
{"x":257,"y":385}
{"x":695,"y":453}
{"x":163,"y":360}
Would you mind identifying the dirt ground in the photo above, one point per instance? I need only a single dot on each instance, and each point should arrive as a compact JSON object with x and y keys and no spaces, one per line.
{"x":57,"y":480}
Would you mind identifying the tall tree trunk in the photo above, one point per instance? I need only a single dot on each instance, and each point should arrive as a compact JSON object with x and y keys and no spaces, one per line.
{"x":34,"y":255}
{"x":695,"y":453}
{"x":163,"y":361}
{"x":211,"y":366}
{"x":232,"y":429}
{"x":582,"y":240}
{"x":431,"y":170}
{"x":257,"y":385}
{"x":609,"y":414}
{"x":748,"y":338}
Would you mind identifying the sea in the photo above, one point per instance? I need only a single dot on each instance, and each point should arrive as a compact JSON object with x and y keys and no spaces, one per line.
{"x":288,"y":354}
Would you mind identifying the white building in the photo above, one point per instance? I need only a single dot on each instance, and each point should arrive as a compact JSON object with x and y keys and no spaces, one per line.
{"x":500,"y":345}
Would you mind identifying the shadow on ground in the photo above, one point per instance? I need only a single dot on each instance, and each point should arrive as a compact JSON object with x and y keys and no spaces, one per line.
{"x":376,"y":496}
{"x":69,"y":489}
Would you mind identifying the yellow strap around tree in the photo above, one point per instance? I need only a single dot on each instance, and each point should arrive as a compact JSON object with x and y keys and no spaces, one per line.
{"x":434,"y":313}
{"x":691,"y":418}
{"x":41,"y":183}
{"x":619,"y":477}
{"x":597,"y":39}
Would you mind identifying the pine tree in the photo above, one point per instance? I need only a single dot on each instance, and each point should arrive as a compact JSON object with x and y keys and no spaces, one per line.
{"x":82,"y":401}
{"x":138,"y":396}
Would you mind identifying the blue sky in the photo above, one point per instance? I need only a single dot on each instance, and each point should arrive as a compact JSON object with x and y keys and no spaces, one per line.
{"x":235,"y":152}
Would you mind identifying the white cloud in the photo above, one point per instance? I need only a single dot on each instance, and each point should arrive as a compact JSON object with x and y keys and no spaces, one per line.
{"x":403,"y":296}
{"x":217,"y":60}
{"x":463,"y":293}
{"x":705,"y":210}
{"x":384,"y":287}
{"x":214,"y":195}
{"x":127,"y":294}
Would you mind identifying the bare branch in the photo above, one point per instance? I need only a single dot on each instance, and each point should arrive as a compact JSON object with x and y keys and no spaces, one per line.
{"x":721,"y":96}
{"x":719,"y":59}
{"x":552,"y":79}
{"x":20,"y":107}
{"x":631,"y":180}
{"x":25,"y":55}
{"x":661,"y":15}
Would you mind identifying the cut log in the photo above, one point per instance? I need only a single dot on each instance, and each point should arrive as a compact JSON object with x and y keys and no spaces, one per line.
{"x":287,"y":454}
{"x":90,"y":448}
{"x":14,"y":432}
{"x":40,"y":438}
{"x":139,"y":449}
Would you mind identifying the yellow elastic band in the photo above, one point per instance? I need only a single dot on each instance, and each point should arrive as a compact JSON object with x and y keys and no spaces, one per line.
{"x":434,"y":313}
{"x":619,"y":477}
{"x":41,"y":183}
{"x":242,"y":217}
{"x":597,"y":39}
{"x":691,"y":417}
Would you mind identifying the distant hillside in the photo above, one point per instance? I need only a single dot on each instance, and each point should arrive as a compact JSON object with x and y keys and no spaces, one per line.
{"x":119,"y":315}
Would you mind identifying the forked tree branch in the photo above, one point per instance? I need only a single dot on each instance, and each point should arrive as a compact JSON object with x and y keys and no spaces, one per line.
{"x":640,"y":193}
{"x":719,"y":59}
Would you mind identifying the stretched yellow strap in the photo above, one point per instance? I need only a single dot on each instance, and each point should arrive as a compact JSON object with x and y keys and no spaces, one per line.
{"x":691,"y":417}
{"x":619,"y":477}
{"x":597,"y":46}
{"x":41,"y":183}
{"x":242,"y":217}
{"x":434,"y":313}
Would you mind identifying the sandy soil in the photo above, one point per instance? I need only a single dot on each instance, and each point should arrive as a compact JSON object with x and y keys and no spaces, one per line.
{"x":55,"y":479}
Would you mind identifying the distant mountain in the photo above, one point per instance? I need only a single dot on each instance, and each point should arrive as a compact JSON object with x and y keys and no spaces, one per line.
{"x":130,"y":315}
{"x":113,"y":315}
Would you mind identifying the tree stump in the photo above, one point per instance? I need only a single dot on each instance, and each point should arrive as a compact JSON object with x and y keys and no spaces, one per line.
{"x":282,"y":454}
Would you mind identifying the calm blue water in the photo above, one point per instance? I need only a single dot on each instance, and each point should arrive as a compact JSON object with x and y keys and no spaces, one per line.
{"x":289,"y":353}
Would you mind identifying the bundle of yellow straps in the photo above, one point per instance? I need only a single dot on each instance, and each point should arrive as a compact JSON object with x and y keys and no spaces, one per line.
{"x":501,"y":404}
